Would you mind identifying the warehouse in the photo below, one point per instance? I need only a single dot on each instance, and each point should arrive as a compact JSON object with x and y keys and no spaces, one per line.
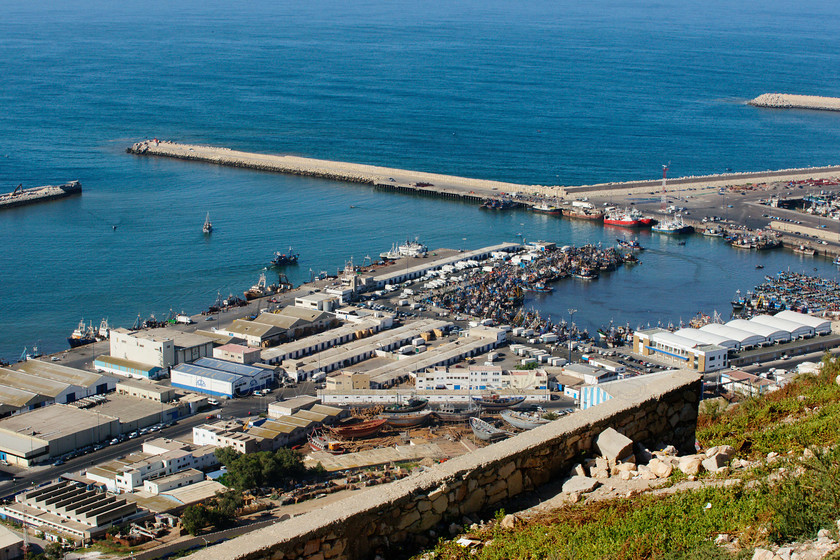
{"x":796,"y":330}
{"x":219,"y":378}
{"x":89,"y":383}
{"x":705,"y":337}
{"x":318,"y":342}
{"x":13,"y":401}
{"x":745,"y":339}
{"x":681,"y":351}
{"x":771,"y":334}
{"x":58,"y":392}
{"x":127,"y":368}
{"x":820,"y":326}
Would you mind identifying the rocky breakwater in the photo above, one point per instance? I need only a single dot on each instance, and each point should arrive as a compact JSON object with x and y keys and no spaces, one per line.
{"x":400,"y":516}
{"x":22,"y":197}
{"x":384,"y":177}
{"x":790,"y":101}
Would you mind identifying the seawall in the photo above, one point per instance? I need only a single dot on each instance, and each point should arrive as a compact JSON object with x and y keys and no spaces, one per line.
{"x":381,"y":177}
{"x":791,"y":101}
{"x":22,"y":197}
{"x":659,"y":408}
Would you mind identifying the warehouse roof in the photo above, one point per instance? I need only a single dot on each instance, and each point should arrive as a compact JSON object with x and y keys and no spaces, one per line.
{"x":117,"y":361}
{"x":684,"y":343}
{"x":230,"y":367}
{"x":25,"y":382}
{"x":252,"y":328}
{"x":820,"y":325}
{"x":19,"y":398}
{"x":53,"y":422}
{"x":210,"y":373}
{"x":705,"y":337}
{"x":179,"y":338}
{"x":62,"y":374}
{"x":796,"y":330}
{"x":770,"y":333}
{"x":745,"y":338}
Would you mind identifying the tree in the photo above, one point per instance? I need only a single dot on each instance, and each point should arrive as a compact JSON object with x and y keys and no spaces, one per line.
{"x":226,"y":455}
{"x":195,"y":518}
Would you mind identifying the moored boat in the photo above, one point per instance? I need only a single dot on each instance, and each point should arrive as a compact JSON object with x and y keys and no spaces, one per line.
{"x":583,"y":213}
{"x":495,"y":402}
{"x":674,"y":226}
{"x":804,"y":250}
{"x":622,"y":219}
{"x":523,"y":420}
{"x":409,"y":419}
{"x":81,"y":336}
{"x":282,"y":259}
{"x":448,"y":413}
{"x":362,"y":429}
{"x":259,"y":289}
{"x":487,"y":432}
{"x":545,"y":208}
{"x":318,"y":441}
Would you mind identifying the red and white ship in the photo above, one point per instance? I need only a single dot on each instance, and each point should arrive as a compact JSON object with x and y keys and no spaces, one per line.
{"x":621,"y":218}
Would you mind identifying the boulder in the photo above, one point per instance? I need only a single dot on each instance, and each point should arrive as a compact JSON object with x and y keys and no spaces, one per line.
{"x":580,"y":484}
{"x":660,"y":468}
{"x":691,"y":465}
{"x":509,"y":521}
{"x":613,"y":445}
{"x":715,"y":462}
{"x":578,"y":470}
{"x":837,"y":379}
{"x":763,"y":554}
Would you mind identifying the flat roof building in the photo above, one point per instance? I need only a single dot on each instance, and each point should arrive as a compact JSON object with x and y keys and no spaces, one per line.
{"x":127,"y":368}
{"x":237,"y":353}
{"x":150,"y":391}
{"x":220,"y":378}
{"x":684,"y":352}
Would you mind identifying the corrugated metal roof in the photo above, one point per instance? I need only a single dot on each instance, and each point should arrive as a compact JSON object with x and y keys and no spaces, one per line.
{"x":26,"y":382}
{"x":62,"y":374}
{"x":705,"y":337}
{"x":117,"y":361}
{"x":230,"y":367}
{"x":796,"y":330}
{"x":209,"y":373}
{"x":803,"y":319}
{"x":744,"y":337}
{"x":770,"y":333}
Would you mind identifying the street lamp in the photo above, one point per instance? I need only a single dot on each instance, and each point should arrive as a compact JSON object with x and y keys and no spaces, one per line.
{"x":571,"y":318}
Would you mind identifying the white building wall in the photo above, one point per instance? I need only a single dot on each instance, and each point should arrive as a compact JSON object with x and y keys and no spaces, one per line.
{"x":126,"y":345}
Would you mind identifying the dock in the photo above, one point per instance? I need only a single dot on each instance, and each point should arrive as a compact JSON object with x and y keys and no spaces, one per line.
{"x":22,"y":197}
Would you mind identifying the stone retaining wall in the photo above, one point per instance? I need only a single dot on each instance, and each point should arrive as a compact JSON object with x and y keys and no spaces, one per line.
{"x":660,"y":408}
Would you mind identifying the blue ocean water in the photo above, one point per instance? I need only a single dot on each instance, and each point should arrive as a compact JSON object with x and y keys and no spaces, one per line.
{"x":540,"y":92}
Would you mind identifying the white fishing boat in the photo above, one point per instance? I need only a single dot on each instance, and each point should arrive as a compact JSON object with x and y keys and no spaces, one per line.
{"x":674,"y":226}
{"x":208,"y":226}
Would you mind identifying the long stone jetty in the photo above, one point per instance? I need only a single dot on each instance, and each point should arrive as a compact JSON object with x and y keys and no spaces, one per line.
{"x":790,"y":101}
{"x":435,"y":184}
{"x":384,"y":177}
{"x":22,"y":197}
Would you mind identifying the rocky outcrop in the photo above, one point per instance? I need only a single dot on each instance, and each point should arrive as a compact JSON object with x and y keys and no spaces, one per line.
{"x":790,"y":101}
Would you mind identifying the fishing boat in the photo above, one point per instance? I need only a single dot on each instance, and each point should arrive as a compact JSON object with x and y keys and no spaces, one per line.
{"x":391,"y":255}
{"x":539,"y":288}
{"x":713,"y":232}
{"x":631,"y":245}
{"x":413,"y":249}
{"x":545,"y":208}
{"x":362,"y":429}
{"x":497,"y":204}
{"x":580,"y":213}
{"x":495,"y":402}
{"x":259,"y":289}
{"x":282,"y":259}
{"x":409,"y":419}
{"x":585,"y":273}
{"x":448,"y":413}
{"x":621,"y":218}
{"x":804,"y":250}
{"x":523,"y":420}
{"x":208,"y":226}
{"x":104,"y":330}
{"x":318,"y":441}
{"x":837,"y":260}
{"x":81,"y":336}
{"x":675,"y":226}
{"x":413,"y":405}
{"x":487,"y":432}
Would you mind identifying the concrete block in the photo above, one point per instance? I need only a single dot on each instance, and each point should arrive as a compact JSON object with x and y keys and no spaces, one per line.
{"x":580,"y":484}
{"x":613,"y":445}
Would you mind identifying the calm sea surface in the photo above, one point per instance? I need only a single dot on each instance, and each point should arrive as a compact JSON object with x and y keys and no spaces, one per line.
{"x":546,"y":92}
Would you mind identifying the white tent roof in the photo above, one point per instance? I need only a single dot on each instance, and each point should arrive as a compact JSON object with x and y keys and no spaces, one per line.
{"x":796,"y":330}
{"x":745,"y":338}
{"x":770,"y":333}
{"x":821,"y":326}
{"x":676,"y":341}
{"x":705,"y":337}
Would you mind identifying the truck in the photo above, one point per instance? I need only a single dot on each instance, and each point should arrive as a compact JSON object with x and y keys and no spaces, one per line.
{"x":183,"y":319}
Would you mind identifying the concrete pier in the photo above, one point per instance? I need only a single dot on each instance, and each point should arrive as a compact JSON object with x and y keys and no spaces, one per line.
{"x":401,"y":180}
{"x":22,"y":197}
{"x":790,"y":101}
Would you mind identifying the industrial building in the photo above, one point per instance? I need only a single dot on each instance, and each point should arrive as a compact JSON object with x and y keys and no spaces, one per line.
{"x":318,"y":302}
{"x":127,"y":368}
{"x":14,"y":401}
{"x":707,"y":337}
{"x":289,"y":323}
{"x":149,"y":391}
{"x":70,"y":509}
{"x":237,"y":353}
{"x":771,"y":334}
{"x":681,"y":351}
{"x":11,"y":545}
{"x":321,"y":341}
{"x":221,"y":378}
{"x":820,"y":326}
{"x":163,"y":347}
{"x":796,"y":329}
{"x":745,"y":340}
{"x":479,"y":378}
{"x":226,"y":433}
{"x":356,"y":351}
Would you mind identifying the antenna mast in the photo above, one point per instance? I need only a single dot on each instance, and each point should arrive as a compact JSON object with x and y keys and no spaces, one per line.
{"x":664,"y":172}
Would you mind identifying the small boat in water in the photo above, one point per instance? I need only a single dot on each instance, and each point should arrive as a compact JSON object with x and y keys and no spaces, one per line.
{"x":282,"y":259}
{"x":318,"y":441}
{"x":523,"y":420}
{"x":413,"y":405}
{"x":487,"y":432}
{"x":837,"y":261}
{"x":409,"y":419}
{"x":362,"y":429}
{"x":495,"y":402}
{"x":208,"y":226}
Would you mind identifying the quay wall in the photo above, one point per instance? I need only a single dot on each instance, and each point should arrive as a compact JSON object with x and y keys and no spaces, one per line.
{"x":380,"y":177}
{"x":654,"y":409}
{"x":39,"y":194}
{"x":791,"y":101}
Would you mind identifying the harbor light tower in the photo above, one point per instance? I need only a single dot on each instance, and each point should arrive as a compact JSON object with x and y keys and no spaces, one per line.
{"x":664,"y":173}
